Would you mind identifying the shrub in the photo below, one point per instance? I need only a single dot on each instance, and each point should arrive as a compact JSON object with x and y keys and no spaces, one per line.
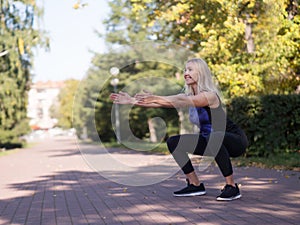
{"x":271,"y":122}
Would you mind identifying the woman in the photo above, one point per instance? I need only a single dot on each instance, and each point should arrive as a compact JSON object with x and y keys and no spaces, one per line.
{"x":205,"y":111}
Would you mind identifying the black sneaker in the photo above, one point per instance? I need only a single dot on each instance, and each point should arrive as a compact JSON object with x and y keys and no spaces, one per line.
{"x":191,"y":190}
{"x":229,"y":193}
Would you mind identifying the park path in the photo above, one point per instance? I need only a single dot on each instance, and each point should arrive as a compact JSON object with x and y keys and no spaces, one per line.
{"x":51,"y":183}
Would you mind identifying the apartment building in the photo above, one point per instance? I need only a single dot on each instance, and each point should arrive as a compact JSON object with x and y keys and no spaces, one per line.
{"x":41,"y":97}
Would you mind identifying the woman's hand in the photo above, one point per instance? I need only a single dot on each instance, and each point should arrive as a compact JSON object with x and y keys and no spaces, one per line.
{"x":145,"y":98}
{"x":122,"y":98}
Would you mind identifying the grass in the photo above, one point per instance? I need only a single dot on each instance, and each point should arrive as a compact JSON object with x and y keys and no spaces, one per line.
{"x":282,"y":161}
{"x":8,"y":152}
{"x":143,"y":146}
{"x":15,"y":150}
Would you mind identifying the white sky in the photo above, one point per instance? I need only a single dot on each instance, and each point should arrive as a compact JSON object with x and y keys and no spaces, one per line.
{"x":72,"y":35}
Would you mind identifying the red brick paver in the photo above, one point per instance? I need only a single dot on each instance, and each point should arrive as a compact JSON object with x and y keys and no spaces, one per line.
{"x":51,"y":183}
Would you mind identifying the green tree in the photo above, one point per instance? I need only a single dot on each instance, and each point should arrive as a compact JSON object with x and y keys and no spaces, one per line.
{"x":66,"y":97}
{"x":252,"y":46}
{"x":124,"y":27}
{"x":18,"y":38}
{"x":94,"y":109}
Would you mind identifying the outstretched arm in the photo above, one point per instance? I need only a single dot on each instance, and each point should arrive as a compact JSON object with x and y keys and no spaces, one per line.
{"x":124,"y":98}
{"x":172,"y":101}
{"x":181,"y":100}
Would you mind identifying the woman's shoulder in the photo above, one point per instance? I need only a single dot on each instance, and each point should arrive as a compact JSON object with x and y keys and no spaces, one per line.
{"x":211,"y":93}
{"x":212,"y":98}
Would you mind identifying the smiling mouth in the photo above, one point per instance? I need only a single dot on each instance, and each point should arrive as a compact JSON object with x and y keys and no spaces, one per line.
{"x":187,"y":77}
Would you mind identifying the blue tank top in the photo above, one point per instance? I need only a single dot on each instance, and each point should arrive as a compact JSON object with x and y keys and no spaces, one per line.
{"x":200,"y":117}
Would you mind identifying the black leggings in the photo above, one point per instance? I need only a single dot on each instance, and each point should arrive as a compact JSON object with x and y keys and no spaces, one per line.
{"x":233,"y":145}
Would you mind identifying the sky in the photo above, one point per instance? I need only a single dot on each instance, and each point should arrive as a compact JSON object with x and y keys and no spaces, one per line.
{"x":72,"y":37}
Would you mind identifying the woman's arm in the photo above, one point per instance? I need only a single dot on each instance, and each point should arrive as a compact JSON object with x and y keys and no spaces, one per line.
{"x":172,"y":101}
{"x":181,"y":100}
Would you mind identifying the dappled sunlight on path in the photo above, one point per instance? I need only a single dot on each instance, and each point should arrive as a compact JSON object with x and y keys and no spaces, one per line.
{"x":51,"y":183}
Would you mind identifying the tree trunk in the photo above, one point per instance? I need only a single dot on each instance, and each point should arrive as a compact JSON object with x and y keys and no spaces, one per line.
{"x":248,"y":36}
{"x":181,"y":121}
{"x":153,"y":135}
{"x":292,"y":9}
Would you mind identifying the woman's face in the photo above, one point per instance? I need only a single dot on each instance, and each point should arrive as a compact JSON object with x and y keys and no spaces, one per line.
{"x":190,"y":74}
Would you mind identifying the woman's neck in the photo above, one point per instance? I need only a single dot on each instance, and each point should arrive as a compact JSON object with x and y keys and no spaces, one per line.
{"x":194,"y":89}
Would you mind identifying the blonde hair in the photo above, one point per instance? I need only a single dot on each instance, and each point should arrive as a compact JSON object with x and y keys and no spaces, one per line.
{"x":205,"y":81}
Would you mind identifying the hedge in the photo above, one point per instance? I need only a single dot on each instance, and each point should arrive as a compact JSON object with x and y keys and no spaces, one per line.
{"x":272,"y":122}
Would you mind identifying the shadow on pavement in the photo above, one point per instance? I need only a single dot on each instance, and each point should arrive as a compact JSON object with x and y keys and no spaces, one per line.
{"x":76,"y":197}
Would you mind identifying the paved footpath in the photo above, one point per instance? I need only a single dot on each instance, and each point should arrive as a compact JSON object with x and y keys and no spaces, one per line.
{"x":51,"y":183}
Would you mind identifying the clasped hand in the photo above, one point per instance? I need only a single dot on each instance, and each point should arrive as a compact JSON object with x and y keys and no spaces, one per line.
{"x":125,"y":98}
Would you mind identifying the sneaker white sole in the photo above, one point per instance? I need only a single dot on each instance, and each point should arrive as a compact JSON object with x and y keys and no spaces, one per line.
{"x":191,"y":194}
{"x":229,"y":199}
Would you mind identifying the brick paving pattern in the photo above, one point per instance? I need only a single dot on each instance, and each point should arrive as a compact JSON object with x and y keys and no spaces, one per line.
{"x":51,"y":183}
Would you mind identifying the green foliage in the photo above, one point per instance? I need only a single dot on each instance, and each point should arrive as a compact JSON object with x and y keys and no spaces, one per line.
{"x":17,"y":40}
{"x":282,"y":161}
{"x":93,"y":107}
{"x":10,"y":138}
{"x":252,"y":46}
{"x":64,"y":111}
{"x":271,"y":122}
{"x":85,"y":100}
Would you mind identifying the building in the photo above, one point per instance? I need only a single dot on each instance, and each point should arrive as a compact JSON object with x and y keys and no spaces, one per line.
{"x":41,"y":97}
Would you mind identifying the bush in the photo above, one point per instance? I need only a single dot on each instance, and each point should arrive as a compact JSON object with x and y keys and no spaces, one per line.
{"x":10,"y":138}
{"x":272,"y":122}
